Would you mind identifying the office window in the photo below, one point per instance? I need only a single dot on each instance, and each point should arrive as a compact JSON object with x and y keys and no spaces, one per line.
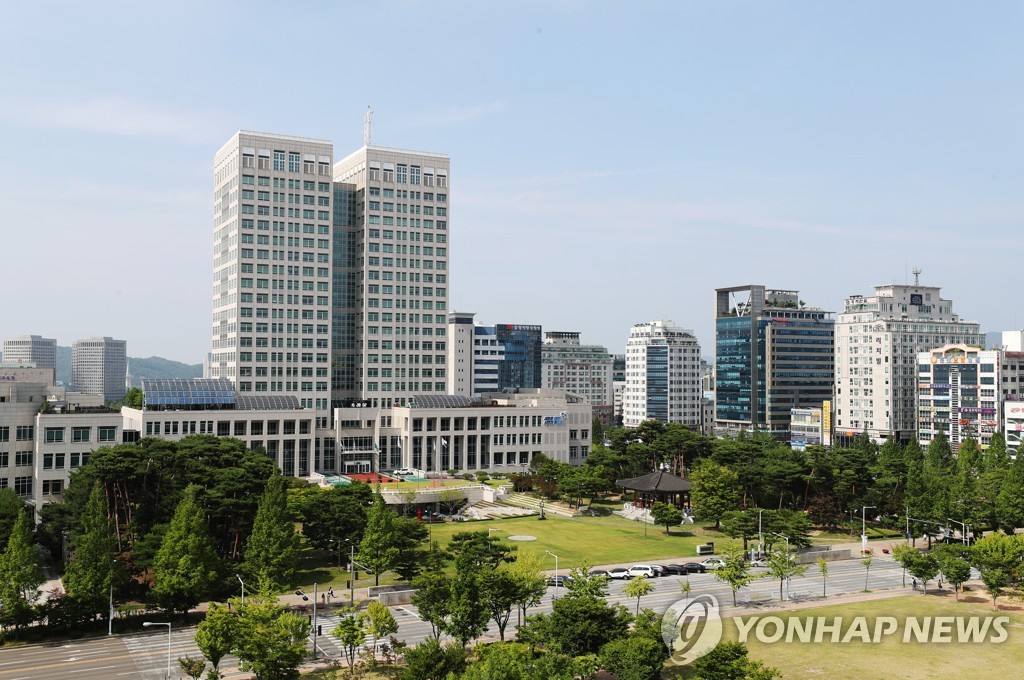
{"x":23,"y":486}
{"x":5,"y":433}
{"x":23,"y":458}
{"x":80,"y":434}
{"x":25,"y":433}
{"x":54,"y":435}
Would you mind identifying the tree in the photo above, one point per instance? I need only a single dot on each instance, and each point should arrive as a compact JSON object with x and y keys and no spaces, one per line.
{"x":685,"y":588}
{"x":10,"y":507}
{"x":782,"y":566}
{"x":996,"y":581}
{"x":186,"y":565}
{"x":430,"y":661}
{"x":581,"y":583}
{"x":500,"y":593}
{"x":450,"y":499}
{"x":728,"y":661}
{"x":20,"y":574}
{"x":667,"y":515}
{"x":735,"y":572}
{"x":823,"y":570}
{"x":902,"y":554}
{"x":273,"y":547}
{"x":741,"y":524}
{"x":135,"y":398}
{"x":377,"y":550}
{"x":410,"y":536}
{"x":90,"y":572}
{"x":633,"y":658}
{"x":923,"y":567}
{"x":350,"y":633}
{"x":515,"y":661}
{"x":715,"y":491}
{"x":193,"y":668}
{"x":215,"y":636}
{"x":637,"y":588}
{"x":331,"y":515}
{"x":530,"y":583}
{"x":576,"y":626}
{"x":379,"y":622}
{"x":957,"y":571}
{"x":467,"y":619}
{"x":867,"y":570}
{"x":479,"y":549}
{"x":271,"y":643}
{"x":433,"y":591}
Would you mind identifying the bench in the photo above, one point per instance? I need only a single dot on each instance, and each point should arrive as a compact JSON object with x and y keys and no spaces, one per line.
{"x":757,"y":598}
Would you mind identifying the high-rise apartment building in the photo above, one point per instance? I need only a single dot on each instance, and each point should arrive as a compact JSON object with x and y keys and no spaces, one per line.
{"x":662,"y":375}
{"x":391,"y":274}
{"x":877,"y":341}
{"x":272,"y":267}
{"x":100,"y":366}
{"x":31,"y":349}
{"x":772,"y":354}
{"x":585,"y":370}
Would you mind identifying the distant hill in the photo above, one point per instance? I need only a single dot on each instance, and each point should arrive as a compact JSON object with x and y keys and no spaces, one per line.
{"x":151,"y":367}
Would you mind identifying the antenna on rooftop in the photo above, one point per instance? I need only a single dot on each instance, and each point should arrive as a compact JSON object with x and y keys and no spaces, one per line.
{"x":916,"y":271}
{"x":367,"y":125}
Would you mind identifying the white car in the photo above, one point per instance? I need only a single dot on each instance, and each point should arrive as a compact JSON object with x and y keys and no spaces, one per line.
{"x":641,"y":570}
{"x":713,"y":562}
{"x":403,"y":472}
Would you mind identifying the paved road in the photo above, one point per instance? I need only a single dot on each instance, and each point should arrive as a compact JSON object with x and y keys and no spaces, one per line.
{"x":144,"y":656}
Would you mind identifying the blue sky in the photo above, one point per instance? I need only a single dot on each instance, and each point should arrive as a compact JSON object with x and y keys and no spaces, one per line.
{"x":611,"y":164}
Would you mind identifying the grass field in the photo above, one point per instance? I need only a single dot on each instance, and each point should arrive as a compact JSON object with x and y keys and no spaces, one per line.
{"x":596,"y":540}
{"x":892,"y":658}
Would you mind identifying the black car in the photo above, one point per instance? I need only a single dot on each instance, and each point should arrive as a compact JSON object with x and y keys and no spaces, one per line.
{"x":695,"y":568}
{"x":675,"y":569}
{"x":562,"y":581}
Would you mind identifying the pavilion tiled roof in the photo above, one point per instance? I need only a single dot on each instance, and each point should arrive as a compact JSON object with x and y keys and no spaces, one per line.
{"x":659,"y":480}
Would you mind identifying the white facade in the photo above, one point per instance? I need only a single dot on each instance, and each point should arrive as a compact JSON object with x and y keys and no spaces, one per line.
{"x":460,"y":354}
{"x":100,"y":366}
{"x":272,"y":258}
{"x":400,"y":252}
{"x":585,"y":370}
{"x":663,"y":375}
{"x":31,"y":349}
{"x":877,"y":342}
{"x":499,"y":433}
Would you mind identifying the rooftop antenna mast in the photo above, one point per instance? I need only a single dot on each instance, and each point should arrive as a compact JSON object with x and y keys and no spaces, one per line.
{"x":367,"y":125}
{"x":916,"y":271}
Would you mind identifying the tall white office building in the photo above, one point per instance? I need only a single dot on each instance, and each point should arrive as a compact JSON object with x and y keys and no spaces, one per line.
{"x":877,"y":341}
{"x":663,"y":375}
{"x":272,"y":261}
{"x":391,"y":266}
{"x":31,"y":349}
{"x":100,"y":366}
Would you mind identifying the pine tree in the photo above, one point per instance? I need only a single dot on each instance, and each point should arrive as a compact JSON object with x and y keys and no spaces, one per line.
{"x":20,"y":574}
{"x":379,"y":549}
{"x":273,"y":545}
{"x":91,"y":570}
{"x":186,"y":565}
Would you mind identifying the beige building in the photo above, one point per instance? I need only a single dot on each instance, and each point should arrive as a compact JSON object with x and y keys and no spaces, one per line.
{"x":877,"y":341}
{"x":31,"y":349}
{"x":436,"y":433}
{"x":100,"y":366}
{"x":663,"y":375}
{"x":585,"y":370}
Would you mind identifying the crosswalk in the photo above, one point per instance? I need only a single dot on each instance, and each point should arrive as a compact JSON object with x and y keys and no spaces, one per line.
{"x":149,"y":652}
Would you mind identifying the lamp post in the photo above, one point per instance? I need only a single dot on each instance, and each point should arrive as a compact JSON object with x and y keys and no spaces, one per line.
{"x":864,"y":528}
{"x":760,"y":542}
{"x":147,"y":624}
{"x":963,"y":528}
{"x":243,"y":588}
{"x":556,"y":571}
{"x":110,"y":616}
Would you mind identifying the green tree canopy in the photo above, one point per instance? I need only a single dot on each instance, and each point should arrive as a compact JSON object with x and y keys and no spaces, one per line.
{"x":186,"y":565}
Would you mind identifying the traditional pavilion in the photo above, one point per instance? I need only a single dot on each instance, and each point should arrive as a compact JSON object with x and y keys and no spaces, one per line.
{"x":658,"y":487}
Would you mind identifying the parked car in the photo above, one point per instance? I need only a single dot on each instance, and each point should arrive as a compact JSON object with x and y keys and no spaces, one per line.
{"x":713,"y":563}
{"x":560,"y":581}
{"x":641,"y":570}
{"x":694,"y":568}
{"x":599,"y":572}
{"x":659,"y":570}
{"x":403,"y":472}
{"x":759,"y":562}
{"x":619,"y":573}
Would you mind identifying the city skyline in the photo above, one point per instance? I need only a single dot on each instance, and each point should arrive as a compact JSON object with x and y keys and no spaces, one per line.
{"x":611,"y":171}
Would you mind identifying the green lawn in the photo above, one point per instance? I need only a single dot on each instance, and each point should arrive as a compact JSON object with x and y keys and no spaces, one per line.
{"x":596,"y":540}
{"x":892,"y":658}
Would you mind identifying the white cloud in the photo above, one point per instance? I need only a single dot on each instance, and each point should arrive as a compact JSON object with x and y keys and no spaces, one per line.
{"x":112,"y":115}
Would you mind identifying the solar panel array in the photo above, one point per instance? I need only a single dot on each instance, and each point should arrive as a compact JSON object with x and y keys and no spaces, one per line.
{"x":441,"y":401}
{"x":188,"y":392}
{"x":268,"y":402}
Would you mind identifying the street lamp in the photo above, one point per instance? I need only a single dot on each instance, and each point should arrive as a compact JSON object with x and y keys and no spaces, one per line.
{"x":243,"y":588}
{"x":760,"y":541}
{"x":147,"y":624}
{"x":864,"y":528}
{"x":556,"y":572}
{"x":963,"y":528}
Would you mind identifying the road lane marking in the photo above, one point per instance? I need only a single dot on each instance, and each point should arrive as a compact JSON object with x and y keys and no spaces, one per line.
{"x":86,"y":670}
